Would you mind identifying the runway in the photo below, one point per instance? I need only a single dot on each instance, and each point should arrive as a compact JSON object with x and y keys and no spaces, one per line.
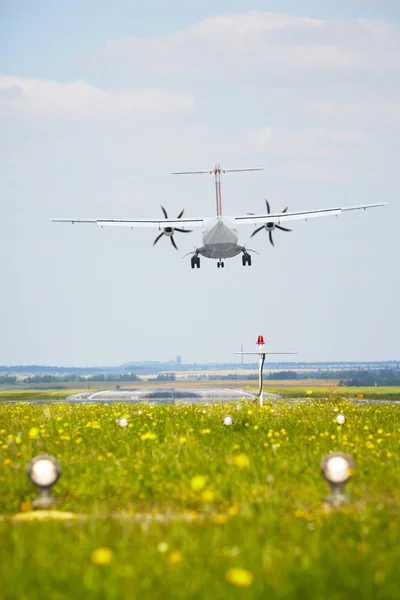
{"x":164,"y":396}
{"x":177,"y":396}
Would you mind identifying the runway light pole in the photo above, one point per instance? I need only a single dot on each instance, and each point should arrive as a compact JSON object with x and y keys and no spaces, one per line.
{"x":337,"y":468}
{"x":261,"y":354}
{"x":44,"y":470}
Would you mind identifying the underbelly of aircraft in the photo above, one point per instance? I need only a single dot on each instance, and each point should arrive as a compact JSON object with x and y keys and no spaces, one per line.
{"x":220,"y":240}
{"x":220,"y":250}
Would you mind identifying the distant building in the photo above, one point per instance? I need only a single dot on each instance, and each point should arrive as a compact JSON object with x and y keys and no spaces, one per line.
{"x":179,"y":361}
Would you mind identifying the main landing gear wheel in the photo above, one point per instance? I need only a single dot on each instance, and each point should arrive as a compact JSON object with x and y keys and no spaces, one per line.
{"x":246,"y":259}
{"x":195,"y":262}
{"x":220,"y":264}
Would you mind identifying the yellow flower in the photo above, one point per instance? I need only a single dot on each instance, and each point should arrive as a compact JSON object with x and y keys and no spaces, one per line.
{"x":205,"y":431}
{"x":162,"y":547}
{"x":241,"y":461}
{"x":102,"y":556}
{"x":182,"y":440}
{"x":33,"y":433}
{"x":26,"y":506}
{"x":220,"y":519}
{"x":233,"y":510}
{"x":175,"y":557}
{"x":207,"y":496}
{"x":148,"y":436}
{"x":198,"y":483}
{"x":240,"y":577}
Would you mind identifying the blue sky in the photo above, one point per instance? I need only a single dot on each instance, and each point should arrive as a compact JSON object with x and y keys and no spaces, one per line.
{"x":100,"y":101}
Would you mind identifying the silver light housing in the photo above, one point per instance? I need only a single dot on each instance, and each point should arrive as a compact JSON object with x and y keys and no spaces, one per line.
{"x":44,"y":470}
{"x":227,"y":420}
{"x":337,"y":468}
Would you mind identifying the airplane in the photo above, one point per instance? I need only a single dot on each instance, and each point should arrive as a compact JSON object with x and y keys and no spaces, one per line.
{"x":220,"y":234}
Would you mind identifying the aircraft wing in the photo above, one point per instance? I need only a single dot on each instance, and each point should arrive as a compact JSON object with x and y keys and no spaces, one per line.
{"x":294,"y":216}
{"x":157,"y":223}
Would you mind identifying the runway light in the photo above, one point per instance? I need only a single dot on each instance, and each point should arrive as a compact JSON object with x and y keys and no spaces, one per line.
{"x":122,"y":422}
{"x":44,"y":470}
{"x":337,"y":468}
{"x":340,"y":419}
{"x":227,"y":420}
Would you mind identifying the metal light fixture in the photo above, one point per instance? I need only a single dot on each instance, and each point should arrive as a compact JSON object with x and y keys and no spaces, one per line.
{"x":337,"y":468}
{"x":261,"y":354}
{"x":44,"y":470}
{"x":227,"y":420}
{"x":340,"y":419}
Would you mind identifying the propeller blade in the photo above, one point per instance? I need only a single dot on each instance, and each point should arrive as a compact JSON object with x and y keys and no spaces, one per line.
{"x":157,"y":238}
{"x":268,"y":208}
{"x":183,"y":230}
{"x":173,"y":242}
{"x":257,"y":230}
{"x":270,"y":238}
{"x":181,"y":213}
{"x":283,"y":228}
{"x":285,"y":209}
{"x":164,"y":211}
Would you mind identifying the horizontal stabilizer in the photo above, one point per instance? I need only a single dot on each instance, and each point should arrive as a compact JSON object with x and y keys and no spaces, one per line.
{"x":216,"y":170}
{"x":262,"y":352}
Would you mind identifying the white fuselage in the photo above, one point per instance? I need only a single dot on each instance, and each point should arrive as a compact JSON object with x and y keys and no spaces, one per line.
{"x":220,"y":238}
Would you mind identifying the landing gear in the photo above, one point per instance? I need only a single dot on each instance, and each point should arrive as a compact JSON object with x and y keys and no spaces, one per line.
{"x":220,"y":263}
{"x":195,"y":261}
{"x":246,"y":259}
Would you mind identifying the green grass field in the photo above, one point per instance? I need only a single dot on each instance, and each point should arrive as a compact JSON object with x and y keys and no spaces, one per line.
{"x":179,"y":506}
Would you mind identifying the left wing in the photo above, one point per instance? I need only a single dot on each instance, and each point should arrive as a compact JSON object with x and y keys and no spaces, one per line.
{"x":158,"y":223}
{"x":294,"y":216}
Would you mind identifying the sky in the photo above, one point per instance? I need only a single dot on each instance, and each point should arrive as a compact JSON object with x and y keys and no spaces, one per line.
{"x":101,"y":101}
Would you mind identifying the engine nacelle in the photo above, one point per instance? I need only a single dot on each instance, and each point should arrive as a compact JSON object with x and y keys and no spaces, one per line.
{"x":169,"y":231}
{"x":269,"y":226}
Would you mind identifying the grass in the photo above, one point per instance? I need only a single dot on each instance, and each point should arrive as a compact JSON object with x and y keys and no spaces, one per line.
{"x":335,"y":392}
{"x":179,"y":506}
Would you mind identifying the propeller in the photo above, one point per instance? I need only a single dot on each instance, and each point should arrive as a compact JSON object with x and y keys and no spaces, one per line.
{"x":270,"y":226}
{"x":169,"y":231}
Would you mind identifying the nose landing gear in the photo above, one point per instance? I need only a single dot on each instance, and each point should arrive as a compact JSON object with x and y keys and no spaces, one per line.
{"x":220,"y":263}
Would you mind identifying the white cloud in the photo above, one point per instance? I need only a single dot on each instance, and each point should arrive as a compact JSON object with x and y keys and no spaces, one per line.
{"x":254,"y":44}
{"x":366,"y":111}
{"x":304,"y":142}
{"x":81,"y":101}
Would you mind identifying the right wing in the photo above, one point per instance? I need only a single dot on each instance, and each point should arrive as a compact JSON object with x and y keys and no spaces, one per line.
{"x":283,"y":217}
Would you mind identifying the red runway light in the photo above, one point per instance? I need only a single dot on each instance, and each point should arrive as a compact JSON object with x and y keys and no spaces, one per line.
{"x":260,"y":340}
